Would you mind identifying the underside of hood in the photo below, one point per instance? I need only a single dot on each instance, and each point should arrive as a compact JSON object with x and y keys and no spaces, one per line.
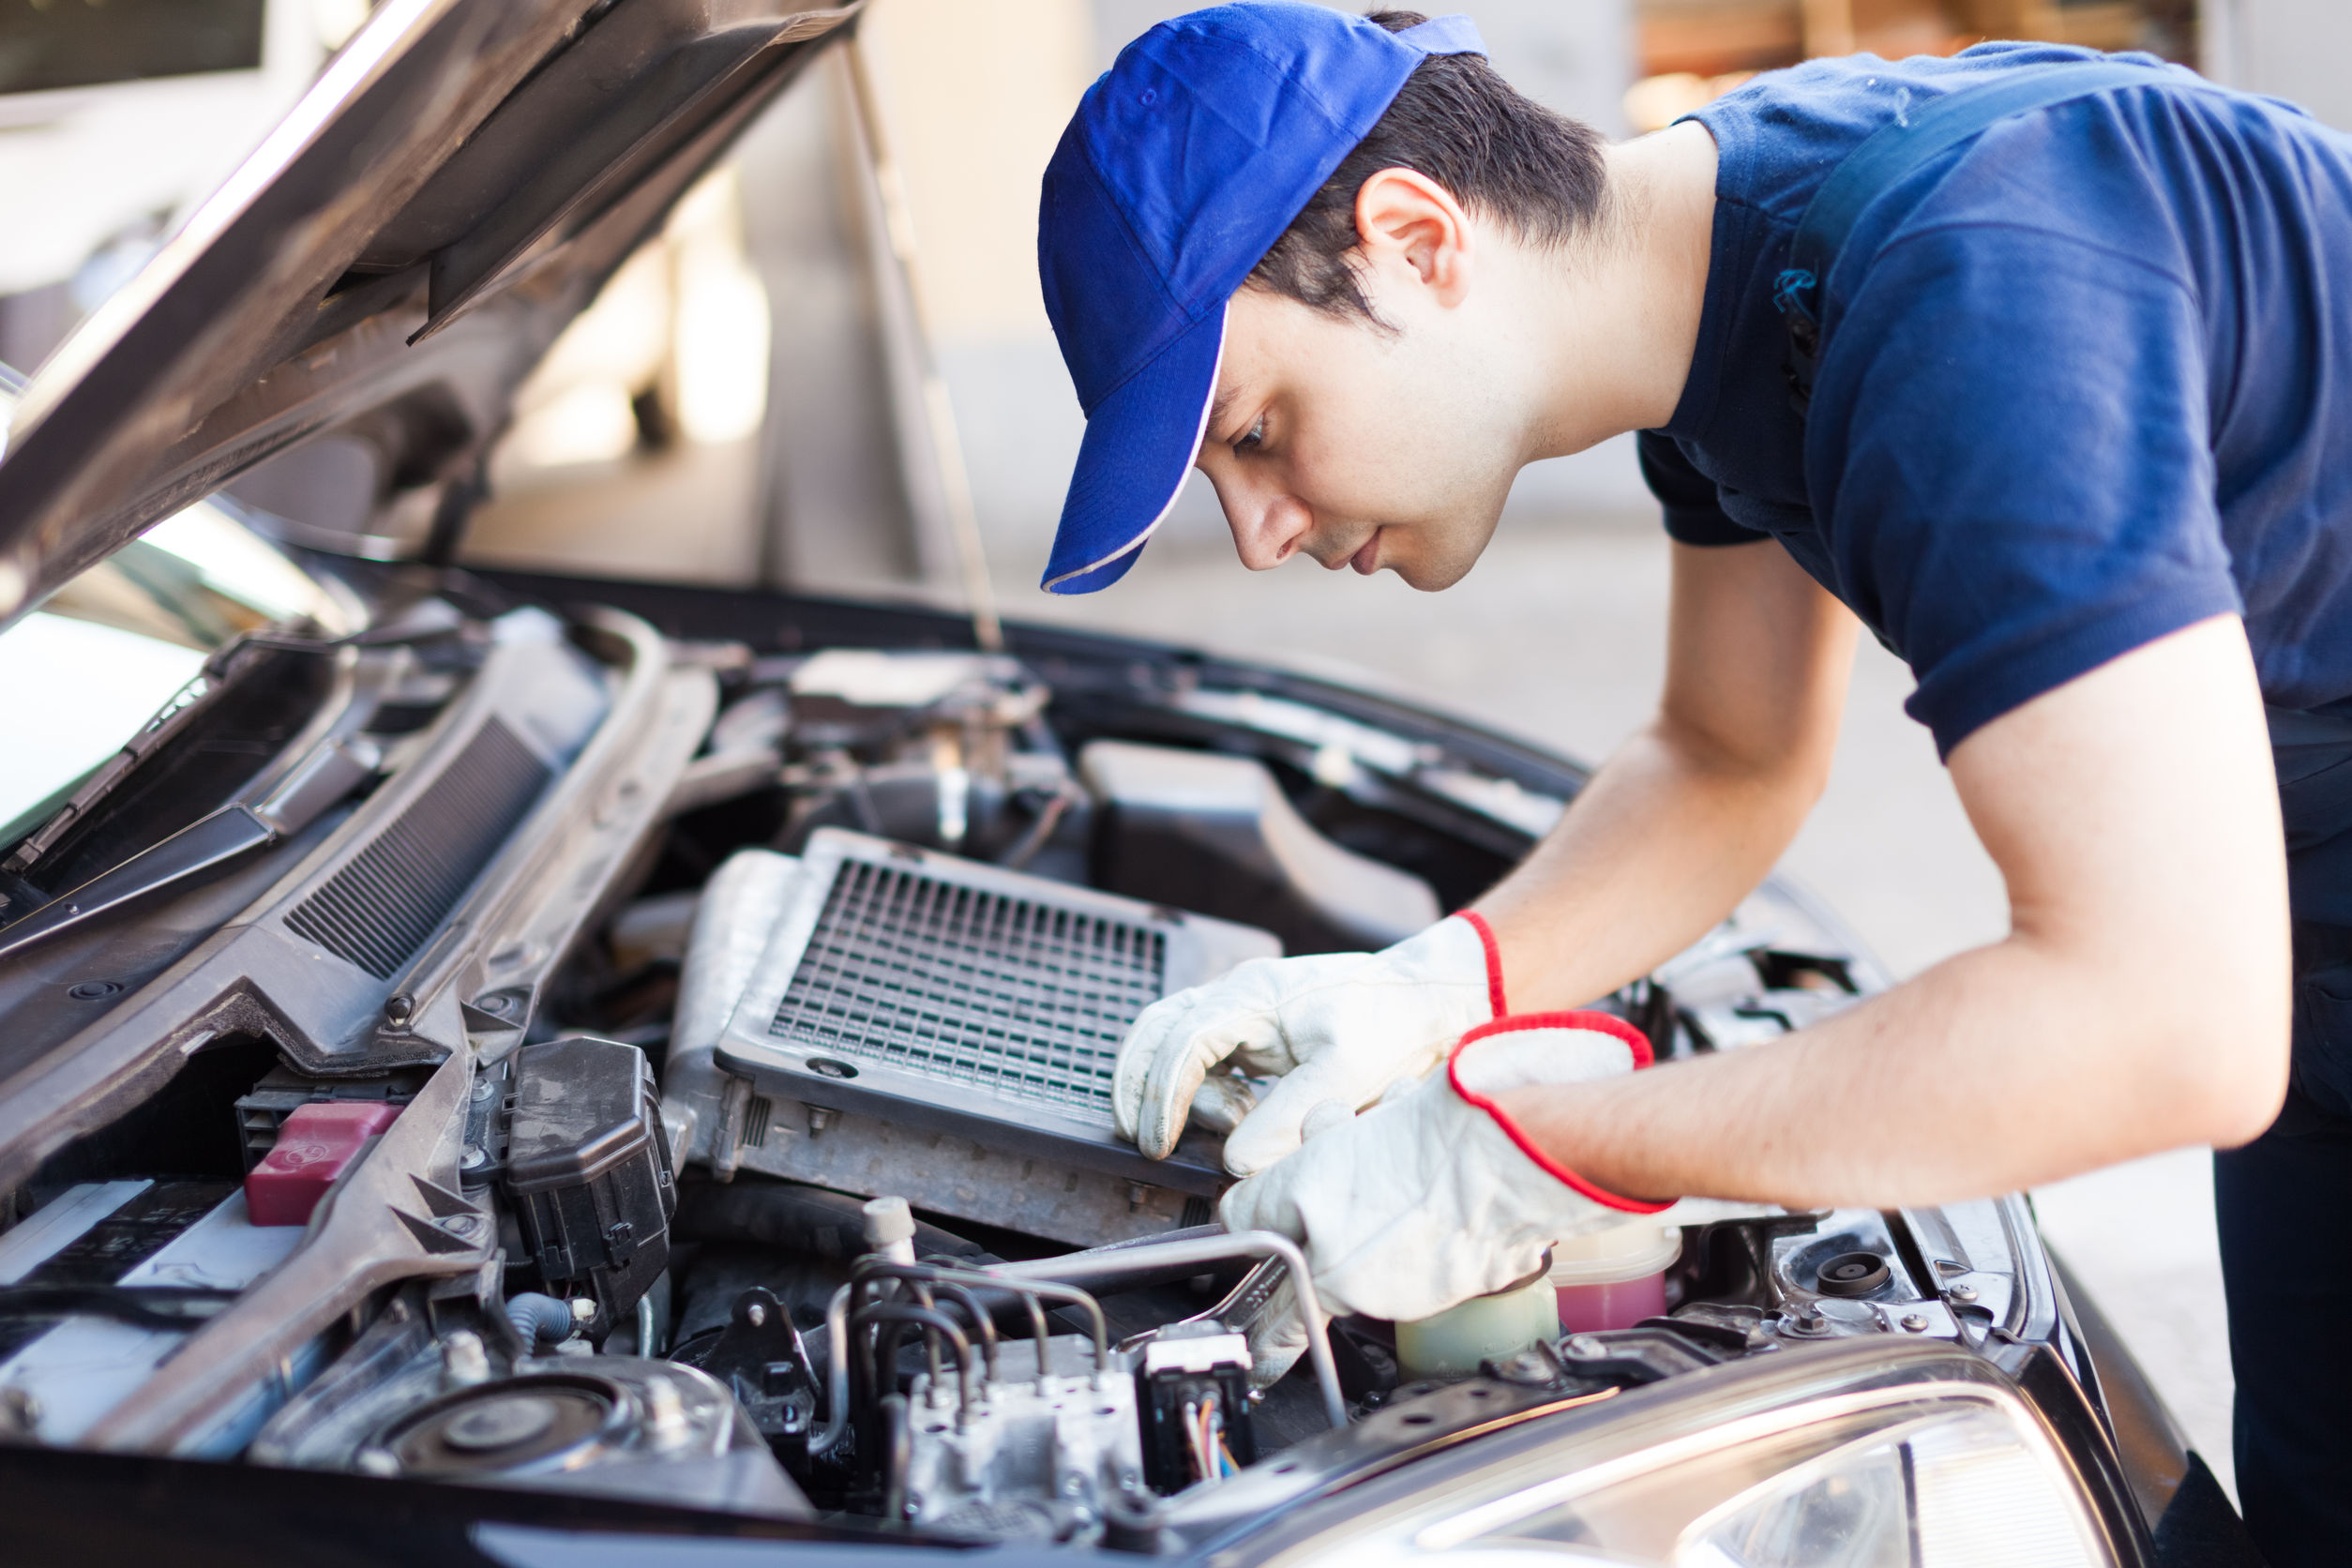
{"x":391,"y":263}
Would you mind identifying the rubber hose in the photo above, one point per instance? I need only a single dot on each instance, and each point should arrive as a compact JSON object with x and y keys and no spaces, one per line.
{"x":799,"y":1219}
{"x":539,"y":1319}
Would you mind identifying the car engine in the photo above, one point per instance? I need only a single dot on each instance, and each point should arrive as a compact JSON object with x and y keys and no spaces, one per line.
{"x":782,"y":1181}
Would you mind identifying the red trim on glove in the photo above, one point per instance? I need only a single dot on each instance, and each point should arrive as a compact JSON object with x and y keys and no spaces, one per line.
{"x":1602,"y":1023}
{"x":1494,"y":962}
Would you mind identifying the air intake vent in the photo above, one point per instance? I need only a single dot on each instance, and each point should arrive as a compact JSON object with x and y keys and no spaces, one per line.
{"x":932,"y":992}
{"x":381,"y":907}
{"x":1018,"y":997}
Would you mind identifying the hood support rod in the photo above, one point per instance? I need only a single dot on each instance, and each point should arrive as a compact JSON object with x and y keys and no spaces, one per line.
{"x":938,"y":410}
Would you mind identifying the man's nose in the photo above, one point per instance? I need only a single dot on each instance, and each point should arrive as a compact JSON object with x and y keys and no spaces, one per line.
{"x":1273,"y":533}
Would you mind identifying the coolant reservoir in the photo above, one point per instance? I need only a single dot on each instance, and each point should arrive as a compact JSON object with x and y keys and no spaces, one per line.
{"x":1453,"y":1343}
{"x":1614,"y":1278}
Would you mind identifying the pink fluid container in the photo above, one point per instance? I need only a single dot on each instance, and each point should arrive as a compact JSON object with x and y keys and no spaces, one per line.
{"x":1614,"y":1278}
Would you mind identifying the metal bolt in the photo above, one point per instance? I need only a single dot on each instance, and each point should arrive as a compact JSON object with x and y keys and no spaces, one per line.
{"x":475,"y":1158}
{"x":485,"y":1087}
{"x":20,"y":1411}
{"x":756,"y":1315}
{"x":1964,"y":1293}
{"x":664,"y":1413}
{"x":1914,"y":1324}
{"x":464,"y":1362}
{"x":399,"y":1008}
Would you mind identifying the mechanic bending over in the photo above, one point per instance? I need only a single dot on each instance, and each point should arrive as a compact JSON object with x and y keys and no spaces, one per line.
{"x":2061,"y":438}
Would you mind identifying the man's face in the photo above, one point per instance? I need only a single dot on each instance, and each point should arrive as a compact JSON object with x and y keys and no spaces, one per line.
{"x":1333,"y":438}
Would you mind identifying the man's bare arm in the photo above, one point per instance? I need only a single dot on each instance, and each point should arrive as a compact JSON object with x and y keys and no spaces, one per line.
{"x":2139,"y":1003}
{"x":1690,"y":813}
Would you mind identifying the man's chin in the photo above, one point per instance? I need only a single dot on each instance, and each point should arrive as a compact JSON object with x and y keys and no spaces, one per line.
{"x":1431,"y":577}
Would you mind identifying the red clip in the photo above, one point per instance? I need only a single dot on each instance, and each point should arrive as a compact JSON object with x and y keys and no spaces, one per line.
{"x":315,"y":1144}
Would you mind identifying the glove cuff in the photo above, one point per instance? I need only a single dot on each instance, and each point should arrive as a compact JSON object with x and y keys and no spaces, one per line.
{"x":1602,"y":1023}
{"x":1493,"y":950}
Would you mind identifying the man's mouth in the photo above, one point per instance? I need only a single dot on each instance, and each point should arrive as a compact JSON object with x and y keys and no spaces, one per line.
{"x":1367,"y":560}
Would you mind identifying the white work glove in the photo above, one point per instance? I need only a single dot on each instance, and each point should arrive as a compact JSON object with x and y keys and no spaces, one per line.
{"x":1435,"y":1196}
{"x":1337,"y":1025}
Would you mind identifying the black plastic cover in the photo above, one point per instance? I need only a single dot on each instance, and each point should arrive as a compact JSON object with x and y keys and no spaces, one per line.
{"x":588,"y":1170}
{"x":1217,"y":835}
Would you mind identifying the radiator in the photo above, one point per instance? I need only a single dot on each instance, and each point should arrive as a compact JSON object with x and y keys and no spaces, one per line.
{"x":947,"y":1030}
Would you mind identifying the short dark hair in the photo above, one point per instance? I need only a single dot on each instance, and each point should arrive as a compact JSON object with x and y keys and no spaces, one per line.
{"x":1459,"y":122}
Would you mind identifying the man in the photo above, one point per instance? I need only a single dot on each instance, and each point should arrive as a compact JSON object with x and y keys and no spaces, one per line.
{"x":2065,"y":448}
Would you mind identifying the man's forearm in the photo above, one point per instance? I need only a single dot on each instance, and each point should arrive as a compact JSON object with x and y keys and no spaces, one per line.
{"x":1659,"y":846}
{"x":2140,"y":1003}
{"x":1994,"y":1070}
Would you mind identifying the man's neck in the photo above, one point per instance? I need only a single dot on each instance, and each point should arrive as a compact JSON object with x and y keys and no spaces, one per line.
{"x":1626,"y":300}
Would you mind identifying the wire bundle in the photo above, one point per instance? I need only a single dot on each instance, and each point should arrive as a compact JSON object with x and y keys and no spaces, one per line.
{"x":1204,"y":1436}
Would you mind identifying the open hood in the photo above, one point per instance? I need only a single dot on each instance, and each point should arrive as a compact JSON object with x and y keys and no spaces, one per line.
{"x":391,"y":263}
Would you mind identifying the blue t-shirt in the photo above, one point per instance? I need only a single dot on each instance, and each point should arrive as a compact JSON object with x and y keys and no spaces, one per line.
{"x":2085,"y":393}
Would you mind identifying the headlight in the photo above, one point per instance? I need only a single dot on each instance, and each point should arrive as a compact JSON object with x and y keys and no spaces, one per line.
{"x":1930,"y":1472}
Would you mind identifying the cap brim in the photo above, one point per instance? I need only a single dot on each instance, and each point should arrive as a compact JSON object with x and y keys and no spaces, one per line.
{"x":1139,"y":444}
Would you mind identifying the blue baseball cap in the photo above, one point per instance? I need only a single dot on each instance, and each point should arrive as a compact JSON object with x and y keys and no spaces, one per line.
{"x":1184,"y":164}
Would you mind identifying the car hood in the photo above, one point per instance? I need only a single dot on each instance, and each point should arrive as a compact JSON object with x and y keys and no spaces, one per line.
{"x":392,"y":261}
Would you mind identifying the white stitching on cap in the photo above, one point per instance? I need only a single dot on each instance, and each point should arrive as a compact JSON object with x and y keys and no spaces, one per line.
{"x":1200,"y":434}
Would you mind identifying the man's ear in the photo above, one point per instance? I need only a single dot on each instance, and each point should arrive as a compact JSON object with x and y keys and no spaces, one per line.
{"x":1408,"y":220}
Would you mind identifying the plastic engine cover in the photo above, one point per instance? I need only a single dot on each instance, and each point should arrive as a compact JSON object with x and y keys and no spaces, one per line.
{"x":588,"y":1170}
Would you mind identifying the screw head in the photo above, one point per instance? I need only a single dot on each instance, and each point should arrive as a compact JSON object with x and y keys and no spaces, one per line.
{"x":756,"y":1315}
{"x":399,"y":1008}
{"x":1914,"y":1324}
{"x":1964,"y":1293}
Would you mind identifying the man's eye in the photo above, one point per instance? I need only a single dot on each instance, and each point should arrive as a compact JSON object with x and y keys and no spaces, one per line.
{"x":1252,"y":437}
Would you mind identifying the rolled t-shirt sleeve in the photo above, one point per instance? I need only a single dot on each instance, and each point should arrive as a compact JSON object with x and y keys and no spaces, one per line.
{"x":1693,"y":505}
{"x":2011,"y":435}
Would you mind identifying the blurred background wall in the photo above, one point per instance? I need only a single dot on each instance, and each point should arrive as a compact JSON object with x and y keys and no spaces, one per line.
{"x":117,"y":116}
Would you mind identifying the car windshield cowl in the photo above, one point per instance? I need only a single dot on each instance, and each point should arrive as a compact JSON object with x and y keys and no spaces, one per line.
{"x":185,"y":710}
{"x":133,"y":662}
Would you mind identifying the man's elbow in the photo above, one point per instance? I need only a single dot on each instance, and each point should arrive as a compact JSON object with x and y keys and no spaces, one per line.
{"x":2225,"y":1058}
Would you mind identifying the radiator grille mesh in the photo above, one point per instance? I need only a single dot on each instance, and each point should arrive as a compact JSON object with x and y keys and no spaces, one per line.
{"x":1012,"y":996}
{"x":378,"y":909}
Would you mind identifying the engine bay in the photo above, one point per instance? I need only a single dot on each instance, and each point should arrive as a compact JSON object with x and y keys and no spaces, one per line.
{"x":783,"y":1180}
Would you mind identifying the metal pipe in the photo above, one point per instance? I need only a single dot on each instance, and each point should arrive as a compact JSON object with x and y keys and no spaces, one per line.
{"x":933,"y":1321}
{"x":1245,"y":1243}
{"x":836,"y":1424}
{"x":925,"y":1278}
{"x":1054,"y":1290}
